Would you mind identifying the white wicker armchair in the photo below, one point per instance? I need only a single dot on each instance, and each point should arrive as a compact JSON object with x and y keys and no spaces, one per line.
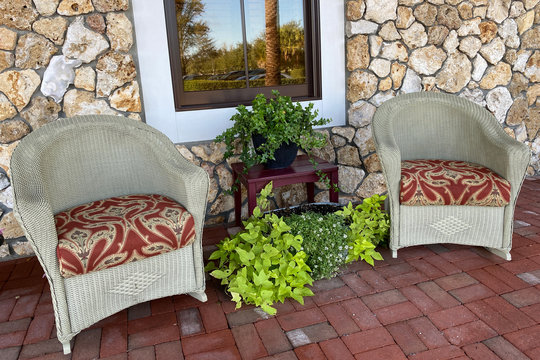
{"x":441,"y":126}
{"x":83,"y":159}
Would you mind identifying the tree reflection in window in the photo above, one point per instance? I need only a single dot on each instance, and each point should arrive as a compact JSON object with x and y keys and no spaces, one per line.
{"x":233,"y":44}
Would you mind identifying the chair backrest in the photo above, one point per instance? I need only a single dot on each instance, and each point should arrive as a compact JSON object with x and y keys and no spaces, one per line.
{"x":429,"y":125}
{"x":82,"y":159}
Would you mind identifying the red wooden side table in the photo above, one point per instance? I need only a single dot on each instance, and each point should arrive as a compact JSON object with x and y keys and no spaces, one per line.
{"x":300,"y":171}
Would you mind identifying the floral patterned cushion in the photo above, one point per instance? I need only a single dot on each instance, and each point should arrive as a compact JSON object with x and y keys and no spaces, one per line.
{"x":119,"y":230}
{"x":450,"y":182}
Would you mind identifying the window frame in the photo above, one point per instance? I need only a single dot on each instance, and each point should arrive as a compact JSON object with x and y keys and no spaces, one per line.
{"x":212,"y":99}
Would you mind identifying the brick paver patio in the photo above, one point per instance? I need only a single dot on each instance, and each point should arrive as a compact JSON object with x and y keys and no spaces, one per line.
{"x":433,"y":302}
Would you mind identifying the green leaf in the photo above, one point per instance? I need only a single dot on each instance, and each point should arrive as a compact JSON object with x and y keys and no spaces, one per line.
{"x":298,"y":298}
{"x":237,"y":299}
{"x":216,"y":255}
{"x":245,"y":257}
{"x":257,"y":212}
{"x":284,"y":291}
{"x":259,"y":278}
{"x":268,"y":309}
{"x":367,"y":259}
{"x":220,"y":274}
{"x":267,"y":295}
{"x":304,"y":291}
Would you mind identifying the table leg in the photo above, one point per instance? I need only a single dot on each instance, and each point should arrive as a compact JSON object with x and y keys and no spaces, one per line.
{"x":310,"y":192}
{"x":334,"y":195}
{"x":237,"y":201}
{"x":252,"y":198}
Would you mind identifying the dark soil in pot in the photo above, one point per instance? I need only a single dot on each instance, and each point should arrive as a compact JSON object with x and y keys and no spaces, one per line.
{"x":284,"y":155}
{"x":321,"y":208}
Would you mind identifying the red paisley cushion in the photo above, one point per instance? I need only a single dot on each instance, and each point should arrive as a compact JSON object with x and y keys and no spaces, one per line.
{"x":119,"y":230}
{"x":450,"y":182}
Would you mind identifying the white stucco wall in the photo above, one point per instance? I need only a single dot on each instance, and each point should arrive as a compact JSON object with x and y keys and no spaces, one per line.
{"x":202,"y":125}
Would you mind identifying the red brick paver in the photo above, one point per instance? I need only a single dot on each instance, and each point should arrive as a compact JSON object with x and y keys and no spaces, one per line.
{"x":248,"y":342}
{"x":406,"y":338}
{"x":272,"y":336}
{"x":441,"y":301}
{"x":368,"y":340}
{"x":469,"y":333}
{"x":335,"y":349}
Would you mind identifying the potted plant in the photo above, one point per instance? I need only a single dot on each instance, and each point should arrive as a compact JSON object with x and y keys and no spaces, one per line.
{"x":277,"y":127}
{"x":279,"y":253}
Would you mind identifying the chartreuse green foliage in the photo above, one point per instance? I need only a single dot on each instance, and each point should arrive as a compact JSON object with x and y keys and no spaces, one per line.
{"x":264,"y":263}
{"x":274,"y":258}
{"x":369,"y":225}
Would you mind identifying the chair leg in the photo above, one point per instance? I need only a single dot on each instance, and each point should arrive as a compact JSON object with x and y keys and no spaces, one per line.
{"x":394,"y":254}
{"x":66,"y":345}
{"x":505,"y":254}
{"x":199,"y":295}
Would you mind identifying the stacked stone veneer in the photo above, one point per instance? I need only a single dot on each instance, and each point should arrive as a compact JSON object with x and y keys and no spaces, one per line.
{"x":484,"y":50}
{"x":60,"y":58}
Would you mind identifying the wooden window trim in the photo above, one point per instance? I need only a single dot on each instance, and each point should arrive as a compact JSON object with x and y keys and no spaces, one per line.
{"x":212,"y":99}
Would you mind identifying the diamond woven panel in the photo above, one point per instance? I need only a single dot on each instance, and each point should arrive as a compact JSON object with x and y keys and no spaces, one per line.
{"x":135,"y":283}
{"x":450,"y":226}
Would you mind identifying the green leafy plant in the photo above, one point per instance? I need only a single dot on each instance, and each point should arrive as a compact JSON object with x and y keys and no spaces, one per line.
{"x":369,"y":226}
{"x":275,"y":257}
{"x":325,"y":241}
{"x":264,"y":263}
{"x":279,"y":121}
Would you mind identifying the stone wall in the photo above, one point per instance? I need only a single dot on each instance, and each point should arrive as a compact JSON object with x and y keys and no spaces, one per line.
{"x":485,"y":50}
{"x":60,"y":58}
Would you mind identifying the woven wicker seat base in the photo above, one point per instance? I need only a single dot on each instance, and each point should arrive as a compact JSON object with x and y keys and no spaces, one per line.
{"x":123,"y":286}
{"x":454,"y":224}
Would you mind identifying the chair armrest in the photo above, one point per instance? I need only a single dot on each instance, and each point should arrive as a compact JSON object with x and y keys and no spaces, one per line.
{"x":184,"y":182}
{"x":390,"y":159}
{"x":389,"y":154}
{"x":188,"y":184}
{"x":35,"y":216}
{"x":190,"y":188}
{"x":501,"y":153}
{"x":506,"y":156}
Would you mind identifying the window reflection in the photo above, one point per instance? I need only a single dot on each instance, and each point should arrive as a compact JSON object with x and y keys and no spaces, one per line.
{"x":212,"y":45}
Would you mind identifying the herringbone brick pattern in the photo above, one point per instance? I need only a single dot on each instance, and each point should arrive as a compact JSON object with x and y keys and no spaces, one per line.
{"x":433,"y":302}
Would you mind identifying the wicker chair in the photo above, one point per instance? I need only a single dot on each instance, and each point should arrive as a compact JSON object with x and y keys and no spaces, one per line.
{"x":447,"y":127}
{"x":83,"y":159}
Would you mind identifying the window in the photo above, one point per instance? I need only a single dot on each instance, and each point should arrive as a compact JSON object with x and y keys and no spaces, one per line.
{"x":224,"y":52}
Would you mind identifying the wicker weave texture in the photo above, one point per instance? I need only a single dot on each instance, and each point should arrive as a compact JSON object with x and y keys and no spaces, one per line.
{"x":116,"y":288}
{"x":431,"y":125}
{"x":454,"y":224}
{"x":82,"y":159}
